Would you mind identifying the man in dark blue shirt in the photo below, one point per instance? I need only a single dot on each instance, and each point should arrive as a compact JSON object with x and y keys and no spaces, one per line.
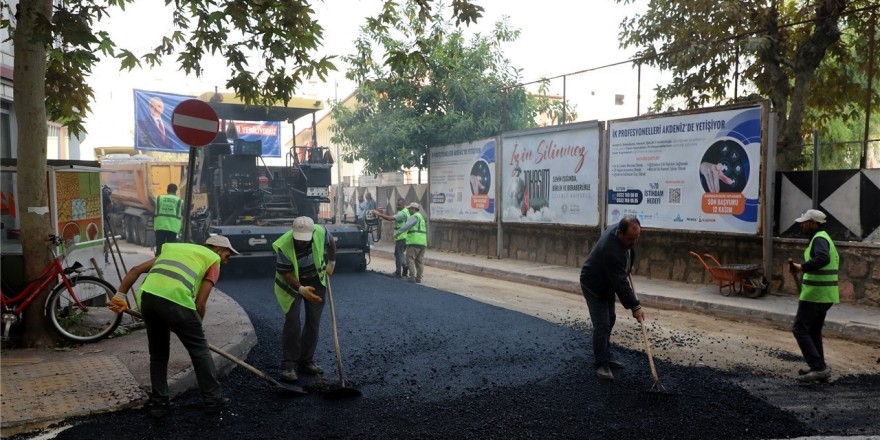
{"x":605,"y":273}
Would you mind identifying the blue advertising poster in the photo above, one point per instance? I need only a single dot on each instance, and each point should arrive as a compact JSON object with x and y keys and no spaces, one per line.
{"x":153,"y":131}
{"x":698,"y":171}
{"x":152,"y":115}
{"x":268,"y":133}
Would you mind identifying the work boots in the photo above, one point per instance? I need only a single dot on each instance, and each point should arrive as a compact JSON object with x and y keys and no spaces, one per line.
{"x":310,"y":368}
{"x":604,"y":372}
{"x":816,"y":375}
{"x":289,"y":376}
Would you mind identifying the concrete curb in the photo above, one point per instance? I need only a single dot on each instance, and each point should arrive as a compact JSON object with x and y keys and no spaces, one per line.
{"x":239,"y":346}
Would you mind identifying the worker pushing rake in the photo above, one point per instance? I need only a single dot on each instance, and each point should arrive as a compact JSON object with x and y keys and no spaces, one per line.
{"x":606,"y":274}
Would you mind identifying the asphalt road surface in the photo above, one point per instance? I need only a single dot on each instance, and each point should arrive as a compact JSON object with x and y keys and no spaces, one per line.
{"x":437,"y":365}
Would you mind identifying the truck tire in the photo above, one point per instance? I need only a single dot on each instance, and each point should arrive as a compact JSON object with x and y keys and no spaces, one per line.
{"x":131,"y":229}
{"x":119,"y":226}
{"x":141,"y":231}
{"x":150,"y":240}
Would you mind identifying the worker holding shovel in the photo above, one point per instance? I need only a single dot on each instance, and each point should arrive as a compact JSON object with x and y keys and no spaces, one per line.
{"x":399,"y":219}
{"x":305,"y":257}
{"x":172,"y":298}
{"x":605,"y":273}
{"x":818,"y":293}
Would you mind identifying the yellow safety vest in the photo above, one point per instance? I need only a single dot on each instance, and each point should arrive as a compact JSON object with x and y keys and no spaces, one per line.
{"x":284,"y":244}
{"x":821,"y":286}
{"x":169,"y":211}
{"x":418,"y":234}
{"x":399,"y":223}
{"x":177,"y":273}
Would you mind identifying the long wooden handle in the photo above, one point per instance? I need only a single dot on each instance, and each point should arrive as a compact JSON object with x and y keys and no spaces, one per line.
{"x":650,"y":353}
{"x":335,"y":335}
{"x":232,"y":358}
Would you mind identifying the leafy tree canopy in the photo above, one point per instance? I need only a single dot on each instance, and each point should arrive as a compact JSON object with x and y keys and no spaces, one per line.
{"x":435,"y":87}
{"x":56,"y":45}
{"x":805,"y":57}
{"x":283,"y":34}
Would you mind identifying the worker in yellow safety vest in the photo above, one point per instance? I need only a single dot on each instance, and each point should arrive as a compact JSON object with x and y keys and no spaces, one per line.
{"x":173,"y":298}
{"x":819,"y":291}
{"x":399,"y":219}
{"x":416,"y":229}
{"x":168,"y":217}
{"x":305,"y":257}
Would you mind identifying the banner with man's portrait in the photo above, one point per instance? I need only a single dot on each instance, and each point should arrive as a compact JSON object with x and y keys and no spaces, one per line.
{"x":153,"y":130}
{"x":152,"y":121}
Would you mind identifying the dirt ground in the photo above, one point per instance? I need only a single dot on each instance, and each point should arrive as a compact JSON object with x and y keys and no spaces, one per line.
{"x":691,"y":339}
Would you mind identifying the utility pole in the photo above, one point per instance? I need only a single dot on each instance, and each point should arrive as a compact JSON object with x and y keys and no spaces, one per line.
{"x":340,"y":195}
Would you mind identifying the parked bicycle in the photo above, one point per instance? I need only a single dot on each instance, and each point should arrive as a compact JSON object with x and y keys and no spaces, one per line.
{"x":76,"y":307}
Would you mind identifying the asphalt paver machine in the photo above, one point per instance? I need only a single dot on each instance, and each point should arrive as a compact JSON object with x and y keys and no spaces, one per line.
{"x":236,"y":194}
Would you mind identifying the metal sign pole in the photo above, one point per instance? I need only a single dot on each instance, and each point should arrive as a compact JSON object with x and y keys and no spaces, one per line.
{"x":187,"y":204}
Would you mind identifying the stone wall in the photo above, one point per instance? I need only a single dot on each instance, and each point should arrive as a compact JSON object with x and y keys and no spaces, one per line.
{"x":661,"y":254}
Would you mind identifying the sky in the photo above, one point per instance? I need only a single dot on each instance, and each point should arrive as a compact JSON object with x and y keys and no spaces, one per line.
{"x":557,"y":37}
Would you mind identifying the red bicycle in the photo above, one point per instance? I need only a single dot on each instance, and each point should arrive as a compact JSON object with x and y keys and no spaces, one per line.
{"x":77,"y":306}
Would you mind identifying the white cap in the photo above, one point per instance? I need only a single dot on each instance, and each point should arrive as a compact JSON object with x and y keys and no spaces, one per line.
{"x":415,"y":206}
{"x":303,"y":228}
{"x":811,"y":214}
{"x":221,"y":241}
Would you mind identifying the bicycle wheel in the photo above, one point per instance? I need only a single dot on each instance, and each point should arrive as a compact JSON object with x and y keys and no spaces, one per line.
{"x":89,"y":322}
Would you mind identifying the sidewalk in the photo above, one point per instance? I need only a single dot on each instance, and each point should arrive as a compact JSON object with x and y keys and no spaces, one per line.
{"x":42,"y":386}
{"x":846,"y":321}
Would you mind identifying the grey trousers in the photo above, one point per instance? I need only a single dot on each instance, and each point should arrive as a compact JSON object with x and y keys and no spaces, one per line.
{"x":162,"y":317}
{"x":414,"y":257}
{"x":298,"y":340}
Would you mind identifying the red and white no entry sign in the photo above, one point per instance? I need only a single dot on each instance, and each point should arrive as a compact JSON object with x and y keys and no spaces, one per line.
{"x":195,"y":122}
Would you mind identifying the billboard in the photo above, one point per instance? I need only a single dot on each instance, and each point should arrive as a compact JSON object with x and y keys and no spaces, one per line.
{"x":552,"y":176}
{"x":268,"y":133}
{"x":698,"y":171}
{"x":152,"y":128}
{"x":463,"y":181}
{"x":153,"y":131}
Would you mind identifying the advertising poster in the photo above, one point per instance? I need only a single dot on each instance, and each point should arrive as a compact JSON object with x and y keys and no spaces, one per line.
{"x":267,"y":133}
{"x":153,"y":130}
{"x":463,"y":181}
{"x":78,"y":200}
{"x":691,"y":172}
{"x":552,"y":177}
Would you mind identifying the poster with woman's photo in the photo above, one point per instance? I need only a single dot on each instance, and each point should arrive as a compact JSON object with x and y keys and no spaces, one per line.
{"x":698,"y":171}
{"x":551,"y":175}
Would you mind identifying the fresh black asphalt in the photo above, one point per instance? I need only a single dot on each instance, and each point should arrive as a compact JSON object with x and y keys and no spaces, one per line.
{"x":435,"y":365}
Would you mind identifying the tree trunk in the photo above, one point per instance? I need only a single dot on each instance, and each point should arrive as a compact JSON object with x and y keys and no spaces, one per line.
{"x":29,"y":93}
{"x":809,"y":56}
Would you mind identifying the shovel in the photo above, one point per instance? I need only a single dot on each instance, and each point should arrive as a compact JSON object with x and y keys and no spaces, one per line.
{"x":657,"y":389}
{"x":342,"y":391}
{"x":280,"y":387}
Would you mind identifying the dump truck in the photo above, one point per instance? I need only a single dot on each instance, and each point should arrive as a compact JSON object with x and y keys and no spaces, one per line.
{"x":237,"y":195}
{"x":134,"y":182}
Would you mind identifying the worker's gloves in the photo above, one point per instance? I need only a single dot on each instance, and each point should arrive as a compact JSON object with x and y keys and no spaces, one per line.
{"x":305,"y":291}
{"x":331,"y":266}
{"x":794,"y":267}
{"x":118,"y":303}
{"x":308,"y":293}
